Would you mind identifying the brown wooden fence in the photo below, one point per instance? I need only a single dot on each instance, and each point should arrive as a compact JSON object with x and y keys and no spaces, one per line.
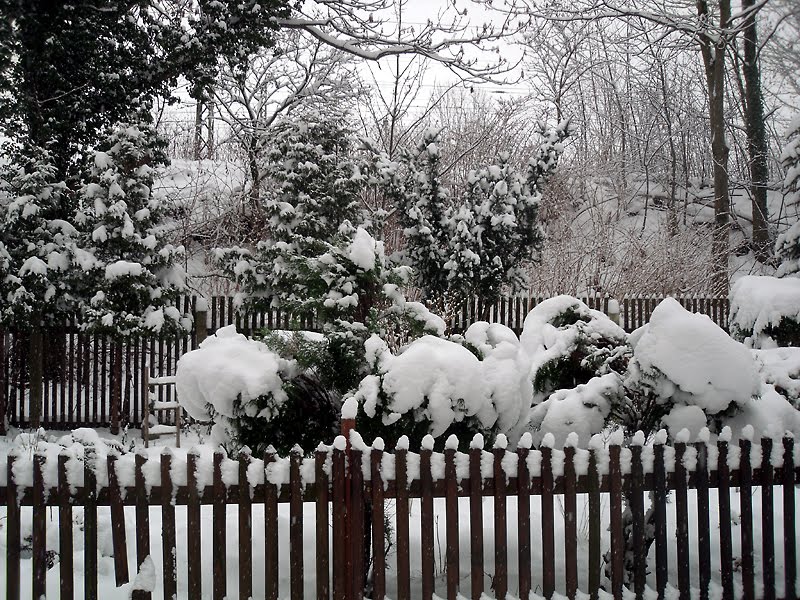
{"x":489,"y":501}
{"x":78,"y":366}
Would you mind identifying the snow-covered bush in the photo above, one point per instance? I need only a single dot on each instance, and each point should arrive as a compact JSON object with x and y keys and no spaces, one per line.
{"x":686,"y":372}
{"x":765,"y":311}
{"x":232,"y":380}
{"x":439,"y":387}
{"x":780,"y":368}
{"x":569,"y":344}
{"x":132,"y":275}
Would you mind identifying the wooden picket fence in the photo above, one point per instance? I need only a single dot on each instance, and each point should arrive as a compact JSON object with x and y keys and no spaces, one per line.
{"x":349,"y":486}
{"x":78,"y":366}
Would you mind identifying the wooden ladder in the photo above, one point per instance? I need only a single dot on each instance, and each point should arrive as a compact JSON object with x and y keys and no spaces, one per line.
{"x":156,"y":407}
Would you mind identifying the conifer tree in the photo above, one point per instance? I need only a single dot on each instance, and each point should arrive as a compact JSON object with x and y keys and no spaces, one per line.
{"x":36,"y":254}
{"x":135,"y":279}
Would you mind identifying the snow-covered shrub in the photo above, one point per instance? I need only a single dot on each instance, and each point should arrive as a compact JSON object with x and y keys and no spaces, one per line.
{"x":569,"y":344}
{"x":584,"y":410}
{"x":686,"y":372}
{"x":439,"y":387}
{"x":133,"y":276}
{"x":780,"y":368}
{"x":232,"y":380}
{"x":765,"y":311}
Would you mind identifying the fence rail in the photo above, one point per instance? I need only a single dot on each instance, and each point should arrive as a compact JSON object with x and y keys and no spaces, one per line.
{"x":333,"y":541}
{"x":78,"y":366}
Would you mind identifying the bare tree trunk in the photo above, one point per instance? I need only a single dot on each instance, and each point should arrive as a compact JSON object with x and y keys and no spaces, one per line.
{"x":756,"y":138}
{"x":713,"y":51}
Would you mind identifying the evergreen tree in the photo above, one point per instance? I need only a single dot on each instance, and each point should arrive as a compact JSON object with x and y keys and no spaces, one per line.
{"x":131,"y":288}
{"x":787,"y":246}
{"x":476,"y":245}
{"x":37,"y":254}
{"x":136,"y":278}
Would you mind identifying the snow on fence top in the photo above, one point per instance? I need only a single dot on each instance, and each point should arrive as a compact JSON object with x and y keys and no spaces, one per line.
{"x":67,"y":460}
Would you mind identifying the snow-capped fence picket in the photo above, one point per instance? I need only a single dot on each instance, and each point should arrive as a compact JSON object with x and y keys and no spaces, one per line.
{"x":316,"y":526}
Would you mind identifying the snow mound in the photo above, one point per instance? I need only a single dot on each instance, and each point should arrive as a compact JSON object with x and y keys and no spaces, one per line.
{"x":582,"y":410}
{"x":701,"y":365}
{"x":759,"y":302}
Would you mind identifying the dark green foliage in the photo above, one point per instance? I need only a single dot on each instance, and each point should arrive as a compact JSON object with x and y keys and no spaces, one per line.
{"x":416,"y":427}
{"x":308,"y":417}
{"x":68,"y":70}
{"x":785,"y":334}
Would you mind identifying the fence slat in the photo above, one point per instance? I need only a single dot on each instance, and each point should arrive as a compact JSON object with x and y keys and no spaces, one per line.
{"x":682,"y":521}
{"x":295,"y":525}
{"x":12,"y":534}
{"x":767,"y":520}
{"x":500,"y":529}
{"x":570,"y":523}
{"x":360,"y":560}
{"x":660,"y":515}
{"x":594,"y":526}
{"x":65,"y":559}
{"x":194,"y":569}
{"x":746,"y":525}
{"x":245,"y":522}
{"x":703,"y":520}
{"x":270,"y":529}
{"x":90,"y":525}
{"x":725,"y":541}
{"x":401,"y":524}
{"x":548,"y":521}
{"x":339,"y":526}
{"x":378,"y":527}
{"x":476,"y":523}
{"x":117,"y":523}
{"x":168,"y":536}
{"x":636,"y":499}
{"x":322,"y":523}
{"x":451,"y":515}
{"x":789,"y":541}
{"x":615,"y":509}
{"x":218,"y":533}
{"x":142,"y":518}
{"x":524,"y":521}
{"x":39,"y":529}
{"x":426,"y":522}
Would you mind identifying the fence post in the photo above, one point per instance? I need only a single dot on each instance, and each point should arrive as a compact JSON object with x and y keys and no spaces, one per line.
{"x":612,"y":310}
{"x":348,"y":425}
{"x":200,"y":321}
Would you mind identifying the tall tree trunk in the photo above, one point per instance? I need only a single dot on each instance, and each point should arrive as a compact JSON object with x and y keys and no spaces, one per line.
{"x":35,"y":373}
{"x":756,"y":137}
{"x":116,"y":386}
{"x":3,"y":383}
{"x":712,"y":46}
